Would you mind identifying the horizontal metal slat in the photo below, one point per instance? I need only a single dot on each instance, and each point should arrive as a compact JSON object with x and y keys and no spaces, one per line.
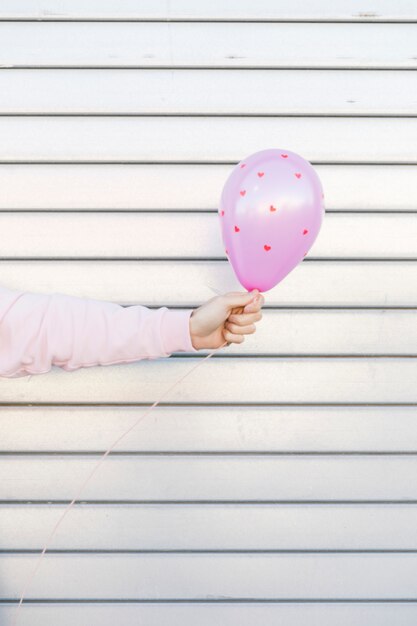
{"x":179,"y":44}
{"x":206,"y":429}
{"x":196,"y":187}
{"x":203,"y":613}
{"x":127,"y":139}
{"x":226,"y":380}
{"x":213,"y":577}
{"x":239,"y":527}
{"x":318,"y":283}
{"x":213,"y":478}
{"x":208,"y":611}
{"x":194,"y":92}
{"x":193,"y":235}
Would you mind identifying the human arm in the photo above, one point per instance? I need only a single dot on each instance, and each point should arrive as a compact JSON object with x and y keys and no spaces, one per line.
{"x":39,"y":330}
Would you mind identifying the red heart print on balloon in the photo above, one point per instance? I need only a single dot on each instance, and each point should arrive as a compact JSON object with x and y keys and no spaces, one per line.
{"x":284,"y":156}
{"x":260,"y":174}
{"x":298,"y":174}
{"x":305,"y":231}
{"x":266,"y":247}
{"x":242,"y":193}
{"x":237,"y":229}
{"x":222,"y":212}
{"x":272,"y":208}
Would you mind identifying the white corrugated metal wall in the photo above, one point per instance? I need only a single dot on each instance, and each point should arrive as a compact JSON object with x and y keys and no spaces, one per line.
{"x":277,"y":484}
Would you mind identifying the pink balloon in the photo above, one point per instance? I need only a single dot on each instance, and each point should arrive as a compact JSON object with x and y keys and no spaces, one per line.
{"x":271,"y":211}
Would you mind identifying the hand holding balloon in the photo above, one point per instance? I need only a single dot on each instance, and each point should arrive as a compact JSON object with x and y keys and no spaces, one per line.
{"x":270,"y":212}
{"x":226,"y":317}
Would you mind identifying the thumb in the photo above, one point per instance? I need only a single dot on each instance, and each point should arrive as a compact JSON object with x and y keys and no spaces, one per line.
{"x":234,"y":299}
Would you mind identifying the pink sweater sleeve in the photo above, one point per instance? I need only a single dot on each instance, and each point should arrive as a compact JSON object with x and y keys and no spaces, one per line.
{"x":40,"y":330}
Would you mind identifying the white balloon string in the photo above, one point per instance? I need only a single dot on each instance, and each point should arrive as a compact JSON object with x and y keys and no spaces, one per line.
{"x":94,"y":470}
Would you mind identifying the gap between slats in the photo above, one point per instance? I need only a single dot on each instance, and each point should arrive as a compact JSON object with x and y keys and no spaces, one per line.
{"x":206,"y":20}
{"x":212,"y":11}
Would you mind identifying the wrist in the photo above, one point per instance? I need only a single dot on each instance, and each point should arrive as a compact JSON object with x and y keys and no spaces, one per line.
{"x":193,"y":337}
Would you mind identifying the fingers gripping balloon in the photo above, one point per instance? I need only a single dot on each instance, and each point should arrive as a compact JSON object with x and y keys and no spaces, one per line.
{"x":271,"y":211}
